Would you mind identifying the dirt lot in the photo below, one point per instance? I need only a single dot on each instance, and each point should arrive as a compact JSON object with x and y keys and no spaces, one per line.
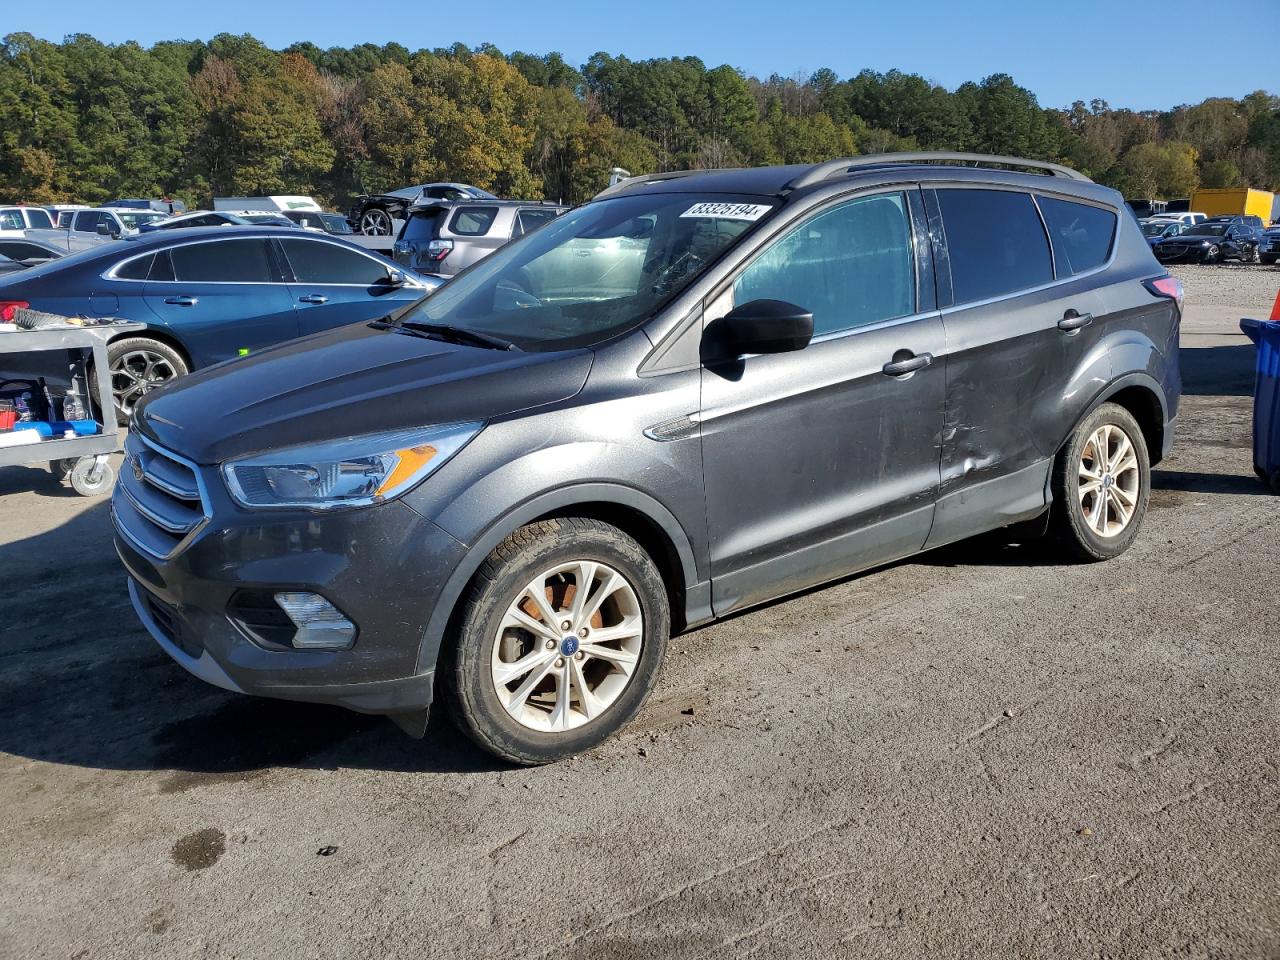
{"x":975,"y":753}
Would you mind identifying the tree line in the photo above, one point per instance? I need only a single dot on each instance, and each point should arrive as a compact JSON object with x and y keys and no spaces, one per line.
{"x":86,"y":121}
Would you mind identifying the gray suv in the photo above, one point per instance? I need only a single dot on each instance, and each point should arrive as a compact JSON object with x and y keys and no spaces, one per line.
{"x":696,"y":393}
{"x":444,"y":237}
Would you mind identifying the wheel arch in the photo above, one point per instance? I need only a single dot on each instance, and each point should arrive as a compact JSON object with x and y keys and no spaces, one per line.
{"x":160,"y":335}
{"x":1144,"y":398}
{"x":638,"y":515}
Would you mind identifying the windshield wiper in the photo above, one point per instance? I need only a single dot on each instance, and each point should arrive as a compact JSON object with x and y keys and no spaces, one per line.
{"x":452,"y":334}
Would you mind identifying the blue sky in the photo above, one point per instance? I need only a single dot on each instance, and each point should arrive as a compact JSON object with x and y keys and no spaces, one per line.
{"x":1095,"y":49}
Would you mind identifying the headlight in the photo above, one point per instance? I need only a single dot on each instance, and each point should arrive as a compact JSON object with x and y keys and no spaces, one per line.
{"x":344,"y":473}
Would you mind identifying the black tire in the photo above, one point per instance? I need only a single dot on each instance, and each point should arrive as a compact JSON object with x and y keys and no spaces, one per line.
{"x":1069,"y":532}
{"x":170,"y":362}
{"x":466,"y":673}
{"x":1268,"y":258}
{"x":1212,"y":255}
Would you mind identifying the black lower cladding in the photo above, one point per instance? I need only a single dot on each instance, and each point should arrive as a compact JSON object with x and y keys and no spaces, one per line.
{"x":383,"y":567}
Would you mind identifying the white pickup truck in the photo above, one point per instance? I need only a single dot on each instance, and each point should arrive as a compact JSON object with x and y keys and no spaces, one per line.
{"x":88,"y":228}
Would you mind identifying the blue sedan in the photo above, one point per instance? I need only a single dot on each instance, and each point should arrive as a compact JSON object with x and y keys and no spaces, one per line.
{"x":212,"y":293}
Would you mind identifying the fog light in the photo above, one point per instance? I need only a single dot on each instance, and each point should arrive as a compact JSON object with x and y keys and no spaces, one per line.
{"x":320,"y":625}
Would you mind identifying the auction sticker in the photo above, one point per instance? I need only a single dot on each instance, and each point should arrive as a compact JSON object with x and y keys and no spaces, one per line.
{"x":728,"y":211}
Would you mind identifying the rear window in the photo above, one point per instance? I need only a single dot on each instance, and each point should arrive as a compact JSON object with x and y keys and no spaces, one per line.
{"x":996,"y":243}
{"x":422,"y":226}
{"x":473,"y":221}
{"x":11,"y":220}
{"x":1082,"y":235}
{"x":226,"y":261}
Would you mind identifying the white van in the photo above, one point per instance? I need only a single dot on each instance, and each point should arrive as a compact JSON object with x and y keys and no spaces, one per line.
{"x":266,"y":204}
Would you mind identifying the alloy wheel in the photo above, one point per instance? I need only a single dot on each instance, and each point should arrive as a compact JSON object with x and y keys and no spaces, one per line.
{"x":1109,"y":481}
{"x":135,"y":374}
{"x":567,"y":646}
{"x":375,"y":223}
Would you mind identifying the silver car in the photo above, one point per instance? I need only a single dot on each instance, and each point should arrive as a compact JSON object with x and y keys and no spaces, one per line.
{"x":444,"y":237}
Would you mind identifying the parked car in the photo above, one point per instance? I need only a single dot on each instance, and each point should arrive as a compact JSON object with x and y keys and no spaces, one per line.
{"x":28,"y":252}
{"x":334,"y":223}
{"x":16,"y":221}
{"x":375,"y":215}
{"x":442,"y":237}
{"x":273,"y":204}
{"x":1157,"y":230}
{"x":268,"y":219}
{"x":166,"y":205}
{"x":197,"y":218}
{"x":209,"y":294}
{"x":96,"y":226}
{"x":1269,"y":247}
{"x":515,"y":490}
{"x":1185,"y":217}
{"x":1213,"y":241}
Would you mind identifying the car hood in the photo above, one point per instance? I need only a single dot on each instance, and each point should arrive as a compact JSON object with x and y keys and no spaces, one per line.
{"x":350,"y":381}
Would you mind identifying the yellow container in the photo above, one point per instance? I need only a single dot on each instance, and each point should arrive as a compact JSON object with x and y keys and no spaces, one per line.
{"x":1224,"y":201}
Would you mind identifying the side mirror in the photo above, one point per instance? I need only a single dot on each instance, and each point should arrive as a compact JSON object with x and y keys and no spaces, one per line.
{"x":762,"y":326}
{"x":104,"y":230}
{"x":396,"y":278}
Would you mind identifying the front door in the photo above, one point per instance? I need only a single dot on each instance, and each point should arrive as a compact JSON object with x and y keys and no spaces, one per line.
{"x":221,"y":297}
{"x":824,"y":461}
{"x":332,"y":285}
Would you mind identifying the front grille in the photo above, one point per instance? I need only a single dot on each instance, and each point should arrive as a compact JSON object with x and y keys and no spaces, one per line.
{"x":158,"y":503}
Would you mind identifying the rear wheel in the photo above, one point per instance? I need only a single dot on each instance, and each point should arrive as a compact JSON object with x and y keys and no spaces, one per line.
{"x":1101,"y":484}
{"x":1212,"y":255}
{"x":560,"y":641}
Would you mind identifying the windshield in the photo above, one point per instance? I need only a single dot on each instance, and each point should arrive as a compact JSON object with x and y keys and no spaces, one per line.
{"x":1208,"y":230}
{"x":132,"y":220}
{"x":422,"y":224}
{"x":595,"y":272}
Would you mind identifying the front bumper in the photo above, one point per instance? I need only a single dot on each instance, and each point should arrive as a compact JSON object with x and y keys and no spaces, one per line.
{"x":382,"y":566}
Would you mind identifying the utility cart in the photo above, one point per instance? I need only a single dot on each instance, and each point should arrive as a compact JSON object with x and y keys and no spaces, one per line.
{"x":64,"y":356}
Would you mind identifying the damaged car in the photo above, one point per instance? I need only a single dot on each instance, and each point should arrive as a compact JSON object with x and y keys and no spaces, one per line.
{"x":699,"y":392}
{"x":376,"y":215}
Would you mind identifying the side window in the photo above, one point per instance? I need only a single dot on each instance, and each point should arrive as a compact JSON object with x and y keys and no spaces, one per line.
{"x":996,"y":243}
{"x":317,"y":261}
{"x":473,"y":221}
{"x":528,"y":221}
{"x":11,"y":220}
{"x":223,"y":261}
{"x":64,"y":219}
{"x":851,"y":266}
{"x":162,"y":269}
{"x":40,"y":219}
{"x":86,"y":222}
{"x":136,"y":269}
{"x":1082,"y":235}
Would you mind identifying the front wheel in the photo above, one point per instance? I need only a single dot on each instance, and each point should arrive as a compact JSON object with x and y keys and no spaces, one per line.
{"x":375,"y":222}
{"x":1212,"y":255}
{"x":1101,"y":484}
{"x":560,"y":641}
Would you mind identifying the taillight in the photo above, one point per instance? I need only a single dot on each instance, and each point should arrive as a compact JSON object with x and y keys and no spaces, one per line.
{"x":8,"y":306}
{"x":437,"y":250}
{"x":1168,"y":287}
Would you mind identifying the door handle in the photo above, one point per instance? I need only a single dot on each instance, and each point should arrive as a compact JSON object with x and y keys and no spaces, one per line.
{"x":313,"y":298}
{"x":1073,"y":320}
{"x":899,"y":368}
{"x":182,"y":301}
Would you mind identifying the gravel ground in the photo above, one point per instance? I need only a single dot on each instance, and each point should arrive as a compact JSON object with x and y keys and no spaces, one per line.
{"x":976,"y":753}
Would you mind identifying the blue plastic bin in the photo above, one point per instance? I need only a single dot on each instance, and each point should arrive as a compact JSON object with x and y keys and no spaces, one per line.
{"x":1266,"y":399}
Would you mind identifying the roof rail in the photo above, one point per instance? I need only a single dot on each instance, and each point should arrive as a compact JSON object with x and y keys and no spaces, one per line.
{"x":831,"y":168}
{"x":622,"y":185}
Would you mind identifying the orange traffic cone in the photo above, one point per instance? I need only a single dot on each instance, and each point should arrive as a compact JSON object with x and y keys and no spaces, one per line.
{"x":1275,"y":310}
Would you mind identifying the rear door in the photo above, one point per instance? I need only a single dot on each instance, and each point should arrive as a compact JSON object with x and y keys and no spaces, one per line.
{"x":477,"y":231}
{"x":221,"y":297}
{"x":332,"y":285}
{"x":1023,"y":318}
